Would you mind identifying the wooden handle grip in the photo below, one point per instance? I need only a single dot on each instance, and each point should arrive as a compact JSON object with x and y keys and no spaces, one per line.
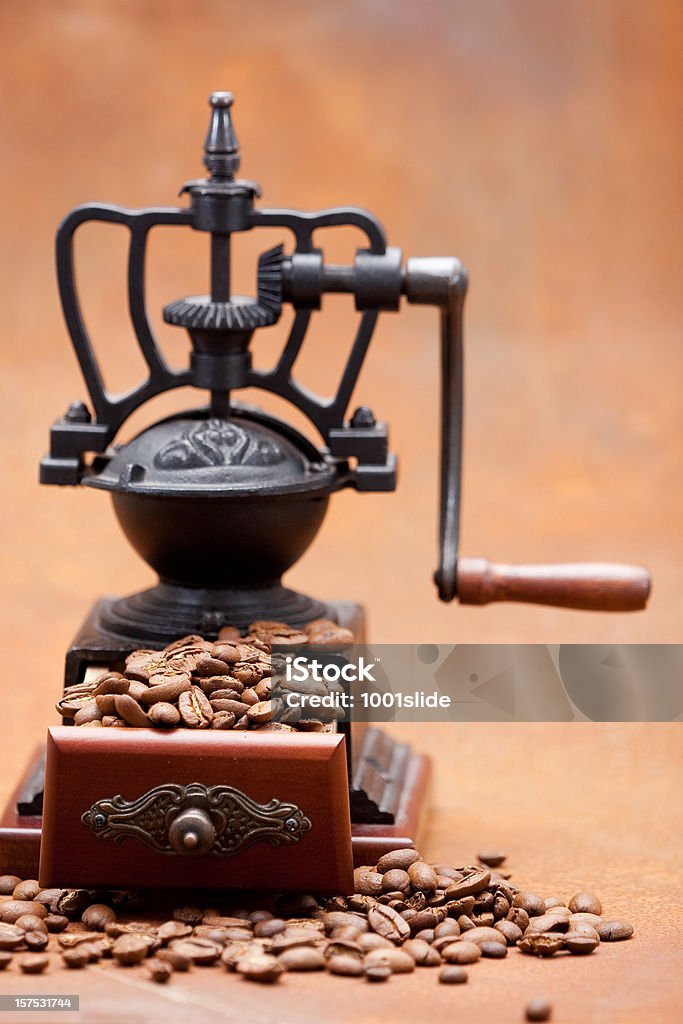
{"x":589,"y":586}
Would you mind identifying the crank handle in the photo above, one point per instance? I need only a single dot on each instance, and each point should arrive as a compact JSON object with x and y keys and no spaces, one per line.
{"x":590,"y":586}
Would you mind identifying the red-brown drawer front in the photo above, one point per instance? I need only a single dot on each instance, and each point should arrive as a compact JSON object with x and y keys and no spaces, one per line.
{"x":88,"y":767}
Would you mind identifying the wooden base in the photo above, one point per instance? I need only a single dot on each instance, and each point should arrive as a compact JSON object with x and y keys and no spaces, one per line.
{"x":20,"y":834}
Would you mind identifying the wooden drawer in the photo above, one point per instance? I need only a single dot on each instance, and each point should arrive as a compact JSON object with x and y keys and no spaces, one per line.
{"x":135,"y":807}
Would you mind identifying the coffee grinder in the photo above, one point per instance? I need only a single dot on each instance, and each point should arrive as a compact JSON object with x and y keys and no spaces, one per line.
{"x":221,"y":501}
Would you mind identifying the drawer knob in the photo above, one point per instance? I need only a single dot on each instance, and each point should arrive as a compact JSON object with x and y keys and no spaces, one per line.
{"x":192,"y":833}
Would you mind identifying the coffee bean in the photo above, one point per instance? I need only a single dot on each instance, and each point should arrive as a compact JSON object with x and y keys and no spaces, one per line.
{"x":511,"y":932}
{"x":36,"y":941}
{"x":421,"y":952}
{"x":371,"y":940}
{"x":75,"y":958}
{"x":547,"y":923}
{"x":261,"y":712}
{"x":97,"y":916}
{"x":12,"y":910}
{"x":48,"y":897}
{"x":541,"y":943}
{"x":395,"y":880}
{"x":164,"y":715}
{"x":222,"y":720}
{"x":397,"y":961}
{"x":377,"y":972}
{"x":452,"y":975}
{"x":461,"y":952}
{"x":73,"y":939}
{"x":422,"y":876}
{"x":201,"y":952}
{"x":538,"y":1010}
{"x":130,"y":711}
{"x":346,"y":933}
{"x":31,"y":923}
{"x":302,"y":958}
{"x":33,"y":963}
{"x":614,"y":931}
{"x":492,"y":858}
{"x":493,"y":950}
{"x":479,"y":935}
{"x":367,"y":882}
{"x":194,"y":708}
{"x":341,"y":918}
{"x":26,"y":890}
{"x":473,"y":882}
{"x":260,"y":967}
{"x":519,"y":917}
{"x":266,"y":929}
{"x":585,"y":903}
{"x":188,"y":915}
{"x":130,"y":949}
{"x":10,"y":936}
{"x":8,"y":884}
{"x":577,"y":943}
{"x":531,"y":902}
{"x":553,"y":902}
{"x":345,"y":966}
{"x":592,"y":919}
{"x":176,"y":960}
{"x":159,"y":970}
{"x":447,"y":927}
{"x":401,"y":859}
{"x":387,"y":923}
{"x":425,"y":919}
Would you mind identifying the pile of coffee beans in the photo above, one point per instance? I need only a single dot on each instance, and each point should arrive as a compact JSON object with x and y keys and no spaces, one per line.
{"x":197,"y":684}
{"x":405,"y":914}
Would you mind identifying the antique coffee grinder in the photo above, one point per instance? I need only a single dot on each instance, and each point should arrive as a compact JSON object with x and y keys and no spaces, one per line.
{"x":223,"y":499}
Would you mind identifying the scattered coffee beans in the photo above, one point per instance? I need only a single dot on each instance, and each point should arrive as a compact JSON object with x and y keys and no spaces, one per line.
{"x":405,"y":915}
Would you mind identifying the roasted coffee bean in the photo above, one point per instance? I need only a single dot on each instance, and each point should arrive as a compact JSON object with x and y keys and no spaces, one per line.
{"x":36,"y":941}
{"x":577,"y":943}
{"x":226,"y":651}
{"x":201,"y":952}
{"x":395,"y":880}
{"x":72,"y":703}
{"x":234,"y":707}
{"x":130,"y":711}
{"x":233,"y":934}
{"x":12,"y":910}
{"x":531,"y":902}
{"x":483,"y":920}
{"x":367,"y":882}
{"x":552,"y":902}
{"x":492,"y":858}
{"x":511,"y":932}
{"x":446,"y":927}
{"x":75,"y":958}
{"x":580,"y":928}
{"x":302,"y":958}
{"x":206,"y":665}
{"x":88,"y":714}
{"x":456,"y":908}
{"x":111,"y":682}
{"x":538,"y":1010}
{"x":614,"y":931}
{"x":164,"y":715}
{"x":440,"y":944}
{"x":33,"y":963}
{"x":48,"y":897}
{"x":159,"y":970}
{"x":421,"y":952}
{"x":188,"y":915}
{"x":106,"y":704}
{"x":547,"y":923}
{"x":260,"y":967}
{"x":348,"y":947}
{"x":592,"y":919}
{"x":371,"y":940}
{"x":167,"y":692}
{"x":345,"y":966}
{"x":483,"y":902}
{"x":541,"y":943}
{"x":480,"y":935}
{"x":451,"y":974}
{"x":377,"y":972}
{"x":293,"y":937}
{"x":493,"y":950}
{"x":425,"y":919}
{"x":8,"y":884}
{"x":466,"y":923}
{"x":5,"y":959}
{"x":585,"y":903}
{"x":340,"y":919}
{"x":178,"y":961}
{"x":422,"y":876}
{"x":97,"y":916}
{"x":271,"y":926}
{"x":31,"y":923}
{"x":26,"y":890}
{"x":461,"y":952}
{"x":73,"y":939}
{"x":387,"y":923}
{"x":194,"y":708}
{"x":472,"y":883}
{"x":347,"y":933}
{"x":519,"y":917}
{"x":130,"y":949}
{"x":142,"y":664}
{"x":398,"y":961}
{"x":261,"y":712}
{"x":10,"y":936}
{"x":427,"y":934}
{"x":401,"y":859}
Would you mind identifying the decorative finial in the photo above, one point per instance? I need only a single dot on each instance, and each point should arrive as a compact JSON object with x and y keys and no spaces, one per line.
{"x":221,"y":148}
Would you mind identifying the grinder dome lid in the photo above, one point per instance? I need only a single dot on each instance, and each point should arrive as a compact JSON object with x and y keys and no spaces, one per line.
{"x":191,"y":455}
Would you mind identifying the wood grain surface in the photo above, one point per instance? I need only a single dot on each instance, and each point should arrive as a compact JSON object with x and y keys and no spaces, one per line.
{"x":539,"y":143}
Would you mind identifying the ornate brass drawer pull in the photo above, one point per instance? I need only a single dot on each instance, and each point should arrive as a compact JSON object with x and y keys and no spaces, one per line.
{"x":196,"y":820}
